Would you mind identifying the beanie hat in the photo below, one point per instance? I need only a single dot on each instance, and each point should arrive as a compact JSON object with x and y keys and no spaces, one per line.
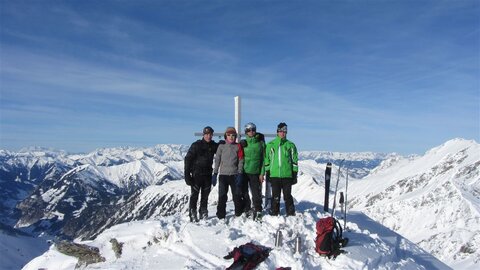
{"x":282,"y":127}
{"x":230,"y":130}
{"x":207,"y":130}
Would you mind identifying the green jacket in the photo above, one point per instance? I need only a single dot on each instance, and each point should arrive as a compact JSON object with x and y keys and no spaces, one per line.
{"x":281,"y":158}
{"x":253,"y":156}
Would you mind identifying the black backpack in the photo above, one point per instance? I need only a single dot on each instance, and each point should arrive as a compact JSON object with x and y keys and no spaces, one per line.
{"x":260,"y":137}
{"x":247,"y":256}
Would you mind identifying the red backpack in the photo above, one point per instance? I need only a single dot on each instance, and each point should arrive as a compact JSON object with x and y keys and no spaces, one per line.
{"x":329,"y":237}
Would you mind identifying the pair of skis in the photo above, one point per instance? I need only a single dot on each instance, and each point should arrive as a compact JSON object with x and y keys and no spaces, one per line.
{"x":343,"y":199}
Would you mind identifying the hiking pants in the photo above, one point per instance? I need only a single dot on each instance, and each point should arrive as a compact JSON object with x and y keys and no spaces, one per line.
{"x":224,"y":182}
{"x":268,"y":193}
{"x":279,"y":185}
{"x":253,"y":181}
{"x":202,"y":184}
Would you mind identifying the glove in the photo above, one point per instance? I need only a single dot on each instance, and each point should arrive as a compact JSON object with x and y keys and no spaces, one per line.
{"x":188,"y":179}
{"x":294,"y":178}
{"x":214,"y":179}
{"x":243,"y":143}
{"x":239,"y":180}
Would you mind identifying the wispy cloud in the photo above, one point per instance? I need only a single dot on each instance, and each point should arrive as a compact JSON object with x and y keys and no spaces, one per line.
{"x":357,"y":76}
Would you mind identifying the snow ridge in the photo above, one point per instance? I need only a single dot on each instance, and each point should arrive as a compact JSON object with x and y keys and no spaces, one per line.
{"x":174,"y":243}
{"x":432,"y":200}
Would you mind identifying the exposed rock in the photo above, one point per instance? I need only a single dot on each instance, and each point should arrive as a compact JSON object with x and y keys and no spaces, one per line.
{"x":117,"y":247}
{"x":86,"y":254}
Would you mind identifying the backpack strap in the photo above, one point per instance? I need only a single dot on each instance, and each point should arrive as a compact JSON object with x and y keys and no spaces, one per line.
{"x":338,"y":226}
{"x":243,"y":143}
{"x":240,"y":151}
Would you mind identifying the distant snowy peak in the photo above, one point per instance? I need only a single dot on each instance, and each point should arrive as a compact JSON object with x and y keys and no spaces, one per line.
{"x":389,"y":162}
{"x":42,"y":151}
{"x":100,"y":157}
{"x":116,"y":156}
{"x":30,"y":157}
{"x":359,"y":164}
{"x":352,"y":156}
{"x":364,"y":160}
{"x":176,"y":151}
{"x":142,"y":173}
{"x":453,"y":145}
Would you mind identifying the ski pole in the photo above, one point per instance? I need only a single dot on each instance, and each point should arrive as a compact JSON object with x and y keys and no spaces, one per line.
{"x":341,"y":201}
{"x":345,"y":213}
{"x":336,"y":186}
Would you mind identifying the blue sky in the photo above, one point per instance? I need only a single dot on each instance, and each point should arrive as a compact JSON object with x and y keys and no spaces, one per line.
{"x":382,"y":76}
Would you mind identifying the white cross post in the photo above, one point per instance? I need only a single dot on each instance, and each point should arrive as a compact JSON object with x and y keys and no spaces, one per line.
{"x":237,"y":117}
{"x":238,"y":122}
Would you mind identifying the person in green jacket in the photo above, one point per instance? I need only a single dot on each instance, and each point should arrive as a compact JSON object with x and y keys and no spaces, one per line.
{"x":281,"y":162}
{"x":253,"y":170}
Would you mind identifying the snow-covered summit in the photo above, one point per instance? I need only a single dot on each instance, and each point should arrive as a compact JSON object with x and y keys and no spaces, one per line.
{"x":452,"y":145}
{"x":432,"y":200}
{"x":174,"y":243}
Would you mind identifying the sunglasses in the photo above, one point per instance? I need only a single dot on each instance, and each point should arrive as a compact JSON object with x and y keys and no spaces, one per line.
{"x":283,"y":129}
{"x":250,"y":129}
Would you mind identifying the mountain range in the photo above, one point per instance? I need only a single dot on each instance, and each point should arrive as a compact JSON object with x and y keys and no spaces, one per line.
{"x":432,"y":200}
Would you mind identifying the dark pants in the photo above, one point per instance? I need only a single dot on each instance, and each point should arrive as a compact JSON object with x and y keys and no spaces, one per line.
{"x":202,"y":184}
{"x":253,"y":181}
{"x":268,"y":192}
{"x":279,"y":185}
{"x":225,"y":181}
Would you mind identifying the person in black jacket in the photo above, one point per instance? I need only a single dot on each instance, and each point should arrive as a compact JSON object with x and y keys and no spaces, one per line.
{"x":198,"y":172}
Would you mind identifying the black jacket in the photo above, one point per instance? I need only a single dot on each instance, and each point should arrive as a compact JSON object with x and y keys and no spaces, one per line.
{"x":199,"y":158}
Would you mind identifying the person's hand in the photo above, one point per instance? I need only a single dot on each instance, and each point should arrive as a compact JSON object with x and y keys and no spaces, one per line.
{"x":238,"y":180}
{"x":188,"y":179}
{"x":294,"y":176}
{"x":214,"y":179}
{"x":261,"y":178}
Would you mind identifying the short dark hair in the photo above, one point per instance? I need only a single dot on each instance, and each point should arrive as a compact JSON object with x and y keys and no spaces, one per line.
{"x":282,"y":127}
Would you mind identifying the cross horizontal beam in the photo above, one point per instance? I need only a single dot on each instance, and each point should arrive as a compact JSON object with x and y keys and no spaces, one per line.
{"x":237,"y":123}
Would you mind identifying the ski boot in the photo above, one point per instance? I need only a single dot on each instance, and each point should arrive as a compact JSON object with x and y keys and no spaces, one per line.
{"x":193,"y":215}
{"x":203,"y":215}
{"x":257,"y":215}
